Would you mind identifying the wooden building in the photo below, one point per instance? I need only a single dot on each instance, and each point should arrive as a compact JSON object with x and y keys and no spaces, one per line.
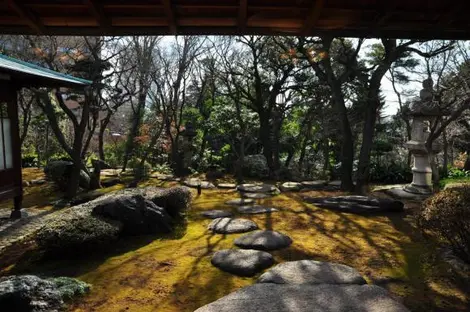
{"x":14,"y":75}
{"x":431,"y":19}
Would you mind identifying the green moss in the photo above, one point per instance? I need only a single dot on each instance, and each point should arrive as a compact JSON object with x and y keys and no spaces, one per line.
{"x":174,"y":273}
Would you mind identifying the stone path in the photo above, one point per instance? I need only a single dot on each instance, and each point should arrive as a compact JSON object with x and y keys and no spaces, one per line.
{"x":230,"y":225}
{"x":258,"y":188}
{"x":256,"y":195}
{"x":240,"y":201}
{"x":196,"y":182}
{"x":227,"y":185}
{"x":255,"y":209}
{"x":312,"y":272}
{"x":291,"y":187}
{"x":242,"y":262}
{"x":214,"y":214}
{"x":357,"y":204}
{"x":263,"y":240}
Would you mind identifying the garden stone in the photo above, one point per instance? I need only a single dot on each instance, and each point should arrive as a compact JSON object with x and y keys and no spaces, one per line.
{"x":196,"y":182}
{"x":258,"y":188}
{"x":357,"y":204}
{"x":314,"y":184}
{"x":226,"y":185}
{"x":38,"y":182}
{"x":312,"y":272}
{"x":214,"y":214}
{"x":335,"y":183}
{"x":60,"y":171}
{"x":306,"y":298}
{"x":242,"y":262}
{"x":256,"y":195}
{"x":263,"y":240}
{"x":255,"y":209}
{"x":291,"y":186}
{"x":240,"y":201}
{"x":230,"y":225}
{"x":34,"y":294}
{"x":163,"y":177}
{"x":137,"y":214}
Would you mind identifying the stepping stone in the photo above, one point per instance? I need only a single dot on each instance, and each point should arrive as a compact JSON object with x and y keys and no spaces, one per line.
{"x":227,"y":185}
{"x":335,"y":183}
{"x":240,"y":201}
{"x":255,"y":209}
{"x":230,"y":225}
{"x":290,"y":186}
{"x":312,"y":272}
{"x":163,"y":177}
{"x":256,"y":195}
{"x":258,"y":188}
{"x":357,"y":204}
{"x":314,"y":184}
{"x":306,"y":298}
{"x":263,"y":240}
{"x":196,"y":182}
{"x":214,"y":214}
{"x":242,"y":262}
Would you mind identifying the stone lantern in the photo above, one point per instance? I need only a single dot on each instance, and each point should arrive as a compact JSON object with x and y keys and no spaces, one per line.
{"x":424,"y":111}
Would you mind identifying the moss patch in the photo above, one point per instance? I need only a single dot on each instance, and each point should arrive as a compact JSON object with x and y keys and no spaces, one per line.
{"x":174,"y":273}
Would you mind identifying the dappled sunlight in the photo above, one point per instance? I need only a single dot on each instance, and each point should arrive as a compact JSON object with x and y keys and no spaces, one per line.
{"x":174,"y":272}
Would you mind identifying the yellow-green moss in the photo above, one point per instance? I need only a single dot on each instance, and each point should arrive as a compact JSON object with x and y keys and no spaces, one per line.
{"x":174,"y":273}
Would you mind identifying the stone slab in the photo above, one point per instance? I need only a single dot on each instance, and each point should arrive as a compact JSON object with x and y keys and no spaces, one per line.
{"x":196,"y":182}
{"x":291,"y":186}
{"x":258,"y":188}
{"x":306,"y":298}
{"x":263,"y":240}
{"x":312,"y":272}
{"x":357,"y":204}
{"x":227,"y":185}
{"x":242,"y":262}
{"x":314,"y":184}
{"x":231,"y":225}
{"x":400,"y":193}
{"x":214,"y":214}
{"x":240,"y":201}
{"x":255,"y":209}
{"x":256,"y":195}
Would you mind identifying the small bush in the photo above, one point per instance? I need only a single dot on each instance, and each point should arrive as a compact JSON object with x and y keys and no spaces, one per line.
{"x":139,"y":171}
{"x":457,"y":173}
{"x":447,"y":215}
{"x":255,"y":166}
{"x":28,"y":161}
{"x":164,"y":168}
{"x":391,"y":173}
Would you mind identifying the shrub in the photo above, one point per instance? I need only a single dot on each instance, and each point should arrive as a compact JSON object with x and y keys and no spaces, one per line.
{"x":139,"y":171}
{"x":255,"y":166}
{"x":164,"y":168}
{"x":456,"y":173}
{"x":28,"y":161}
{"x":391,"y":173}
{"x":447,"y":215}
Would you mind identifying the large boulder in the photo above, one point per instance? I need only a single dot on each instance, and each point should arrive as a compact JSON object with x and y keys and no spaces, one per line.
{"x":77,"y":230}
{"x":306,"y":298}
{"x":312,"y":272}
{"x":242,"y":262}
{"x":357,"y":204}
{"x":29,"y":293}
{"x":137,"y":214}
{"x":174,"y":200}
{"x":60,"y":171}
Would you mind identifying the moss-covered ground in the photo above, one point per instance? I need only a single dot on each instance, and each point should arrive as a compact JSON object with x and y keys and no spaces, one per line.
{"x":174,"y":273}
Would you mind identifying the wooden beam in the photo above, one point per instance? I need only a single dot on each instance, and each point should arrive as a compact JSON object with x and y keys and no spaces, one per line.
{"x":170,"y":14}
{"x":313,"y":16}
{"x":98,"y":13}
{"x":32,"y":21}
{"x":242,"y":14}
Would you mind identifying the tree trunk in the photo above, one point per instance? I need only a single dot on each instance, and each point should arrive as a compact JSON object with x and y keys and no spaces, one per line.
{"x":366,"y":148}
{"x":134,"y":132}
{"x":240,"y":161}
{"x":445,"y":162}
{"x":265,"y":138}
{"x":103,"y":125}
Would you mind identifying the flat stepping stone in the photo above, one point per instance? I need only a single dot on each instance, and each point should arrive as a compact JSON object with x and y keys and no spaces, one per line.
{"x":263,"y":240}
{"x":306,"y":298}
{"x":335,"y":183}
{"x":196,"y":182}
{"x":312,"y":272}
{"x":232,"y":225}
{"x":314,"y":184}
{"x":163,"y":177}
{"x":240,"y":201}
{"x":255,"y":209}
{"x":214,"y":214}
{"x":242,"y":262}
{"x":256,"y":195}
{"x":258,"y":188}
{"x":291,"y":186}
{"x":357,"y":204}
{"x":227,"y":185}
